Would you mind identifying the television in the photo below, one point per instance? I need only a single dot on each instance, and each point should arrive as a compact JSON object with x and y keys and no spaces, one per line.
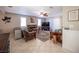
{"x":45,"y":24}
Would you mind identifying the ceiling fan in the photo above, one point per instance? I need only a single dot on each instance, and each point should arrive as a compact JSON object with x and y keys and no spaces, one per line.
{"x":44,"y":14}
{"x":10,"y":6}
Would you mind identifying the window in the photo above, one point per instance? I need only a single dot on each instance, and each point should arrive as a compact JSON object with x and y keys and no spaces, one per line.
{"x":23,"y":21}
{"x":56,"y":23}
{"x":39,"y":22}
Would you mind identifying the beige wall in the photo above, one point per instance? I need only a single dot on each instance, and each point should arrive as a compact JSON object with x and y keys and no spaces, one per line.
{"x":72,"y":25}
{"x":15,"y":22}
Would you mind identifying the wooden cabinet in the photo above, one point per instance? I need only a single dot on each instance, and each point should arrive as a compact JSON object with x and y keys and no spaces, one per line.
{"x":4,"y":43}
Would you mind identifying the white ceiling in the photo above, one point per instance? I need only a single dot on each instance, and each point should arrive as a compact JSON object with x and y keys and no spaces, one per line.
{"x":33,"y":10}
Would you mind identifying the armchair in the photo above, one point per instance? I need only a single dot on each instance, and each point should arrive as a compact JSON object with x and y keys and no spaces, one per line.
{"x":29,"y":35}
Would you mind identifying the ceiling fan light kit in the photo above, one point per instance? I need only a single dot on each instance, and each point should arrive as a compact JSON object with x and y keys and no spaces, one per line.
{"x":44,"y":13}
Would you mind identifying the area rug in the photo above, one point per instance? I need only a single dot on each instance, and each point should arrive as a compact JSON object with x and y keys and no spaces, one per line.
{"x":44,"y":36}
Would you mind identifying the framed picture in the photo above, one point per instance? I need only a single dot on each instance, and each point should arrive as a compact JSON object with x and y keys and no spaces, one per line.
{"x":73,"y":15}
{"x":32,"y":19}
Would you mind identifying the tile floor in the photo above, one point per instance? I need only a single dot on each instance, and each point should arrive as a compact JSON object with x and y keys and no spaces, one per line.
{"x":35,"y":46}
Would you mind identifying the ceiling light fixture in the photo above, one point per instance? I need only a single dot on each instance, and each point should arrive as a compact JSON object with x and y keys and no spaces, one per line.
{"x":51,"y":7}
{"x":10,"y":6}
{"x":43,"y":13}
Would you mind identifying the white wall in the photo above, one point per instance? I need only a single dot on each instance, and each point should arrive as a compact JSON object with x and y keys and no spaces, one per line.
{"x":71,"y":40}
{"x":71,"y":36}
{"x":55,"y":23}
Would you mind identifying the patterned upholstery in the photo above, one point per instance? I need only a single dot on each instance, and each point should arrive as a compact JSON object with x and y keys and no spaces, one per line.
{"x":29,"y":35}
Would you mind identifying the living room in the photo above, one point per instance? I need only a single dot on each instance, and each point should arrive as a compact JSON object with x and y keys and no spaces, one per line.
{"x":38,"y":29}
{"x":20,"y":22}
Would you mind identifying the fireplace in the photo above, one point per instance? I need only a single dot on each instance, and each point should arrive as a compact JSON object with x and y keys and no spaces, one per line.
{"x":32,"y":28}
